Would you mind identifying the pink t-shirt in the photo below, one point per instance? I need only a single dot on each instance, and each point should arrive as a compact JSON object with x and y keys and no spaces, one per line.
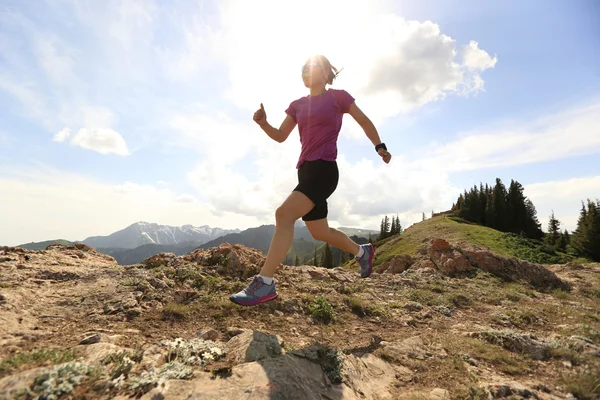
{"x":319,"y":121}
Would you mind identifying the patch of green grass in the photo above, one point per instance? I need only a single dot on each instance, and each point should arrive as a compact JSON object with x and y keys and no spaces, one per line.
{"x":560,"y":294}
{"x":584,"y":385}
{"x":321,"y":310}
{"x":35,"y":358}
{"x":565,"y":353}
{"x":350,"y":288}
{"x":356,"y":305}
{"x":175,"y":311}
{"x":502,"y":360}
{"x":217,"y":306}
{"x":523,"y":317}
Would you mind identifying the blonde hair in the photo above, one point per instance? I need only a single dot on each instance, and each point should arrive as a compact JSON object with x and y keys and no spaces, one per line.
{"x":332,"y":71}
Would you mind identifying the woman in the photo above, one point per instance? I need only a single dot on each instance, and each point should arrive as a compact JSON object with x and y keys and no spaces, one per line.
{"x":319,"y":118}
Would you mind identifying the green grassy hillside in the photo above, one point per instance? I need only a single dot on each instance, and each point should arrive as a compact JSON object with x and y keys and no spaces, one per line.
{"x":457,"y":230}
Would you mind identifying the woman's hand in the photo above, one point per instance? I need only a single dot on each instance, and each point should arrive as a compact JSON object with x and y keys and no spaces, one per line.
{"x":385,"y":155}
{"x":260,"y":116}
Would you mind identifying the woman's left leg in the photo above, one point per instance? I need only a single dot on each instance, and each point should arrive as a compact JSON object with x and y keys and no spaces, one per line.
{"x":320,"y":230}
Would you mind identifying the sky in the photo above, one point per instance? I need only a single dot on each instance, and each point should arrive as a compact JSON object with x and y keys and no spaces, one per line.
{"x":118,"y":111}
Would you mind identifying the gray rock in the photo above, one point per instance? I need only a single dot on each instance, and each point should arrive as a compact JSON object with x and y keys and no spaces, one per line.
{"x":96,"y":338}
{"x":252,"y":346}
{"x":516,"y":342}
{"x":208,"y":334}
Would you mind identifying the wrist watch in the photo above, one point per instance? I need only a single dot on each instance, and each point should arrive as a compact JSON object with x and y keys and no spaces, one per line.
{"x":380,"y":146}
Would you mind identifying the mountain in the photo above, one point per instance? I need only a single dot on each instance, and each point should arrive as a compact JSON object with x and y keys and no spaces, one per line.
{"x":43,"y":245}
{"x":142,"y":233}
{"x":303,"y":245}
{"x":257,"y":238}
{"x":140,"y":253}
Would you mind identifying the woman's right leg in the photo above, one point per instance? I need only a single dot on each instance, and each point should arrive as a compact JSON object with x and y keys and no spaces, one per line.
{"x":295,"y":206}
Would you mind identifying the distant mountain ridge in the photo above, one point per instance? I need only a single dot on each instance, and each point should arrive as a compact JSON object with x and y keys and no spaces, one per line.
{"x":182,"y":240}
{"x":142,"y":233}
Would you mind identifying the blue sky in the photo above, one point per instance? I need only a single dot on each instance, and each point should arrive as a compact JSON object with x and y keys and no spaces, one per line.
{"x":113,"y":112}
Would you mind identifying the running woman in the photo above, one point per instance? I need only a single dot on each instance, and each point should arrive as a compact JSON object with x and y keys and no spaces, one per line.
{"x":319,"y":119}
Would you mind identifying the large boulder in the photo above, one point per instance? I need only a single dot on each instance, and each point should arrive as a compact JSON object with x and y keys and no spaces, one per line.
{"x":252,"y":346}
{"x":395,"y":265}
{"x":448,"y":260}
{"x":512,"y":269}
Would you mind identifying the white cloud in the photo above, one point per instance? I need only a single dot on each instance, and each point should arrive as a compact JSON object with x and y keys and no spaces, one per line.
{"x":391,"y":65}
{"x":185,"y":198}
{"x":564,"y":197}
{"x":101,"y":140}
{"x":63,"y":135}
{"x":476,"y":59}
{"x":65,"y":205}
{"x":553,"y":137}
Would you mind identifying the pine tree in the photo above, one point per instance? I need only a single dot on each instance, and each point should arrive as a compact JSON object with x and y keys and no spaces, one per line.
{"x":398,"y":226}
{"x":315,"y":261}
{"x":393,"y":227}
{"x":382,"y":230}
{"x":533,"y":228}
{"x":553,"y":230}
{"x":327,"y":260}
{"x":500,"y":208}
{"x":586,"y":238}
{"x":563,"y":241}
{"x":517,"y":210}
{"x":423,"y":216}
{"x":297,"y":260}
{"x":370,"y":238}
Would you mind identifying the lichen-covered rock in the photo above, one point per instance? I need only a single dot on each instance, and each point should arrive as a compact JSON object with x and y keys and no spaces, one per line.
{"x":516,"y":342}
{"x":511,"y":269}
{"x":159,"y":259}
{"x":237,"y":260}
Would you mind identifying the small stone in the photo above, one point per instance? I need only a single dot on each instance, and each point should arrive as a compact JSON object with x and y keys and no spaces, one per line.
{"x":567,"y":364}
{"x":92,"y":339}
{"x":413,"y":306}
{"x":208,"y":334}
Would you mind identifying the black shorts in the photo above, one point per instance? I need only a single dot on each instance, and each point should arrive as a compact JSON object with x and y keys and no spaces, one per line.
{"x":317,"y":180}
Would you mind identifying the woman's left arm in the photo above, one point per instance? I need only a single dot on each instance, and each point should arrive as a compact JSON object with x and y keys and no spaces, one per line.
{"x":369,"y":129}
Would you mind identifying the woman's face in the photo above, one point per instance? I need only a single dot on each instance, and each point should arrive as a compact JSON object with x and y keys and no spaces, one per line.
{"x":313,"y":73}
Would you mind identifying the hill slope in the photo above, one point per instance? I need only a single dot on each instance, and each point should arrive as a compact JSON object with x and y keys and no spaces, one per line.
{"x":459,"y":231}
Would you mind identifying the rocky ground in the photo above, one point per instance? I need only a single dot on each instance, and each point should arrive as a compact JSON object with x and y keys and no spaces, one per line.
{"x":446,"y":323}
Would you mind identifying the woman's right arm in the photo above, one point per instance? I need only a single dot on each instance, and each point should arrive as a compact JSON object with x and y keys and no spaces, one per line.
{"x":281,"y":134}
{"x":278,"y":135}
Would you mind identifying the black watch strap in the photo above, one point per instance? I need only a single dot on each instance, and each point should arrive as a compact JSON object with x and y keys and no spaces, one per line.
{"x":380,"y":146}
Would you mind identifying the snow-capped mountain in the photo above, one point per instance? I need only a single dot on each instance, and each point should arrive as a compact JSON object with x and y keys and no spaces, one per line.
{"x":142,"y":233}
